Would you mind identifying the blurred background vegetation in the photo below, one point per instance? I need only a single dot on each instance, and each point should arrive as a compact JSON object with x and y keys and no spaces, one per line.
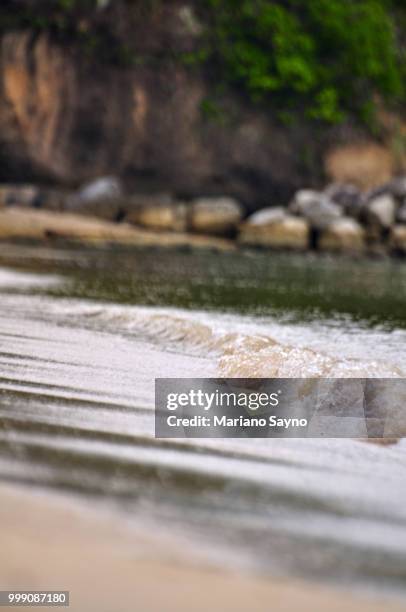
{"x":327,"y":56}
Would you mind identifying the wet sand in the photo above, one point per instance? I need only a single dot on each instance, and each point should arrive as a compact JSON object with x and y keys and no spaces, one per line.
{"x":51,"y":543}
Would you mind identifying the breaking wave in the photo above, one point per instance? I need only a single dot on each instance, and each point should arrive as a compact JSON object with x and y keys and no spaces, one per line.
{"x":248,"y":352}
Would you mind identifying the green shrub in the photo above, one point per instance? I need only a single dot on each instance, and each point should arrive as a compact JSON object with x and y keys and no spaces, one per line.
{"x":324,"y":58}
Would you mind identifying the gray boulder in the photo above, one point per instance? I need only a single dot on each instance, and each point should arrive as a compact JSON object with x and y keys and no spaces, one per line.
{"x":344,"y":234}
{"x":316,"y":207}
{"x":395,"y":188}
{"x":347,"y":196}
{"x":266,"y":216}
{"x":381,"y":211}
{"x":401,"y":214}
{"x":106,"y":187}
{"x":218,"y":216}
{"x":101,"y":198}
{"x":274,"y":228}
{"x":303,"y":199}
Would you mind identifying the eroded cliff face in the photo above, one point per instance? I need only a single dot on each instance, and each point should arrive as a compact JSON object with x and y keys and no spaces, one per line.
{"x":67,"y":117}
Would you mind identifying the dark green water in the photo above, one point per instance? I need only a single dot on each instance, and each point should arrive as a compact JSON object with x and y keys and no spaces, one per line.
{"x":294,"y":287}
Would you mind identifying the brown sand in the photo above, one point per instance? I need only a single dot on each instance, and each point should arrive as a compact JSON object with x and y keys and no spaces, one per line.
{"x":49,"y":543}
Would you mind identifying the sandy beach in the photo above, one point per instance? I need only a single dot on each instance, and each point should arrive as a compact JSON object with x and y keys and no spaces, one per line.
{"x":49,"y":543}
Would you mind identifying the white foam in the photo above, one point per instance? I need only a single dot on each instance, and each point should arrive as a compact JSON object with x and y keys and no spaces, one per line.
{"x":10,"y":279}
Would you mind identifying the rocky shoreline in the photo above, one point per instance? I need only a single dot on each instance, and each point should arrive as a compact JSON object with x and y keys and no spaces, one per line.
{"x":339,"y":219}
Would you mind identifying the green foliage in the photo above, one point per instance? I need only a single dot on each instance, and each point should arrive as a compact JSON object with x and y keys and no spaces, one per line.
{"x":324,"y":58}
{"x":214,"y":111}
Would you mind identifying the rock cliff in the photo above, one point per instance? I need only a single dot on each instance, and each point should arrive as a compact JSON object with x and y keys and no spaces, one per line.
{"x":68,"y":115}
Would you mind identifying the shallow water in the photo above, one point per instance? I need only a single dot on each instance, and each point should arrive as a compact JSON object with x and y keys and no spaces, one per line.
{"x":85,"y":332}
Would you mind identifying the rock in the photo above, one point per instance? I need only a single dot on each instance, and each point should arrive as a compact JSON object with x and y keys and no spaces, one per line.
{"x":302,"y":199}
{"x":401,"y":214}
{"x":107,"y":187}
{"x":273,"y":228}
{"x":397,"y":187}
{"x":102,"y":198}
{"x":267,"y":215}
{"x":315,"y":207}
{"x":45,"y":225}
{"x":20,"y":195}
{"x":380,"y":211}
{"x":161,"y":218}
{"x":347,"y":196}
{"x":397,"y":239}
{"x":219,"y":216}
{"x":344,"y":234}
{"x":158,"y":212}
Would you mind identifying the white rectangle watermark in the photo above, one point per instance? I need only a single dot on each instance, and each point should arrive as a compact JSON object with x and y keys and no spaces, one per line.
{"x":280,"y":407}
{"x":31,"y":599}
